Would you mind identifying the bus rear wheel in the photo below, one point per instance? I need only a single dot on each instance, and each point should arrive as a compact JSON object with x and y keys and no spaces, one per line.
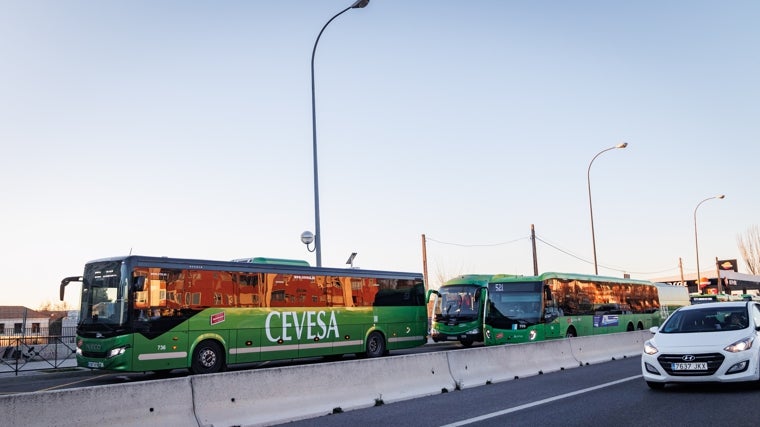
{"x":375,"y":345}
{"x":207,"y":358}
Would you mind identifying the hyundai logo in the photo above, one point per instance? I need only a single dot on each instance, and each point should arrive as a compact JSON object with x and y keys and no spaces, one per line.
{"x":688,"y":358}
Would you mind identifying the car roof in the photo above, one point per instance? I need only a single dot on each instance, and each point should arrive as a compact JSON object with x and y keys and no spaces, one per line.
{"x":716,"y":304}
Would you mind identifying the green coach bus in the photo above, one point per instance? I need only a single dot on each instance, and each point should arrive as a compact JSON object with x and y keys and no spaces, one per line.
{"x":517,"y":309}
{"x":141,"y":313}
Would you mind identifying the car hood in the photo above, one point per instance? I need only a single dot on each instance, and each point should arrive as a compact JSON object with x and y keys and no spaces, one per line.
{"x":696,"y":340}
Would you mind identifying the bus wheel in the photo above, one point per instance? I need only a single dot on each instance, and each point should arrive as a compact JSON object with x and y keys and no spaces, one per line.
{"x":207,"y":358}
{"x":467,"y":342}
{"x":375,"y":345}
{"x":640,"y":327}
{"x":629,"y":328}
{"x":570,"y":333}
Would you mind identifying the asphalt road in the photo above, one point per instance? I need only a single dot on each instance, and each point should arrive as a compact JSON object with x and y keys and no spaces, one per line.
{"x":606,"y":394}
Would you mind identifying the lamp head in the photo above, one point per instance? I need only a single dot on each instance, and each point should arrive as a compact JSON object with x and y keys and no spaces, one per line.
{"x":307,"y":237}
{"x":622,"y":145}
{"x":360,"y":4}
{"x":722,"y":196}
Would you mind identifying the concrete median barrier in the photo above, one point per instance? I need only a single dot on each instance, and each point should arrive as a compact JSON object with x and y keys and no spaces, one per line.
{"x":603,"y":348}
{"x":149,"y":403}
{"x":266,"y":396}
{"x":277,"y":395}
{"x":479,"y":366}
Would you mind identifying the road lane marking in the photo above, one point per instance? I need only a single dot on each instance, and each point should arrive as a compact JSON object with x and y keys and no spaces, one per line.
{"x":539,"y":402}
{"x":72,"y":383}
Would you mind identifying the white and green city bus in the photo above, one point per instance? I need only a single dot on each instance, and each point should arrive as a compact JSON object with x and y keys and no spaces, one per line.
{"x":517,"y":309}
{"x":142,"y":313}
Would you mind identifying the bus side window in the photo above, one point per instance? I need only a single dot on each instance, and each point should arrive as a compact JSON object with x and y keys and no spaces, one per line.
{"x":548,"y":292}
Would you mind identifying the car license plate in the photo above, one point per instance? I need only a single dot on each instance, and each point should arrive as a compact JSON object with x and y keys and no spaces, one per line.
{"x":699,"y":366}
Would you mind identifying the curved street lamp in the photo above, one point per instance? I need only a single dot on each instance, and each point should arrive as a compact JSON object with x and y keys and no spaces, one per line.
{"x":696,"y":240}
{"x":590,"y":207}
{"x":317,"y":234}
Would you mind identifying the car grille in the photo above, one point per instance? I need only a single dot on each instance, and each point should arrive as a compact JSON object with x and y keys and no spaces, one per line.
{"x":714,"y":360}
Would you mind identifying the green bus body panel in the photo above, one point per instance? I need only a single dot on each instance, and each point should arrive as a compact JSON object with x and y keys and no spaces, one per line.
{"x":251,"y":334}
{"x":243,"y":333}
{"x":558,"y":327}
{"x":583,"y":325}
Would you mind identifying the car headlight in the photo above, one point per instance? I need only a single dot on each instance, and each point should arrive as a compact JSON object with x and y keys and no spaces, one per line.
{"x":649,"y":348}
{"x":741,"y":345}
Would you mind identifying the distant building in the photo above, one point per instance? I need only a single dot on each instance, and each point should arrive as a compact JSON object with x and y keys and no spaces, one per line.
{"x":730,"y":282}
{"x":19,"y":321}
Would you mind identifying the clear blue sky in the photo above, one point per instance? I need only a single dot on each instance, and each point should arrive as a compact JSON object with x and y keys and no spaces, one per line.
{"x":183,"y":129}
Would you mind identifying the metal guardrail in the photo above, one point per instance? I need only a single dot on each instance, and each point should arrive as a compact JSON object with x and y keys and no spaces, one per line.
{"x":36,"y":353}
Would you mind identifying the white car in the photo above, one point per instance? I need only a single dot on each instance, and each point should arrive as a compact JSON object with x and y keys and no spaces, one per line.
{"x":712,"y":342}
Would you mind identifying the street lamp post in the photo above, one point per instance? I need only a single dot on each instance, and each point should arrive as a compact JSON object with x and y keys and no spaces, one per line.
{"x":317,"y":232}
{"x":590,"y":206}
{"x":696,"y":240}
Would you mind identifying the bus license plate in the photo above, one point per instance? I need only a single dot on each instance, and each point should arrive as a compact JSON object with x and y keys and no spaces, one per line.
{"x":95,"y":364}
{"x":699,"y":366}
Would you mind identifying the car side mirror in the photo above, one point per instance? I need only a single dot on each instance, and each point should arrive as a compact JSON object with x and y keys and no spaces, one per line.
{"x":654,"y":329}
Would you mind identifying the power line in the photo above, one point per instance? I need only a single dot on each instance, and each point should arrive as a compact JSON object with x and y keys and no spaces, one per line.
{"x":566,"y":252}
{"x":553,"y":246}
{"x":476,"y":244}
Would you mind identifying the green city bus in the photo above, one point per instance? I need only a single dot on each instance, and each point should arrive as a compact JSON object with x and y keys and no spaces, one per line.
{"x":458,"y":309}
{"x":517,"y":309}
{"x":141,"y":313}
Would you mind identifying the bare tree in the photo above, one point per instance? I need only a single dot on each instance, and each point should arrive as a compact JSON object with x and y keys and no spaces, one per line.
{"x":49,"y":306}
{"x":749,"y":247}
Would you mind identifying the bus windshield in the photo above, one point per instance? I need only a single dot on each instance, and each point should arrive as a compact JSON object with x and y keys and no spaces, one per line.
{"x":458,"y":302}
{"x":514,"y":304}
{"x":103,"y":304}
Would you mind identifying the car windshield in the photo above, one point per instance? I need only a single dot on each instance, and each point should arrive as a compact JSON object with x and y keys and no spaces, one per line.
{"x":710,"y":319}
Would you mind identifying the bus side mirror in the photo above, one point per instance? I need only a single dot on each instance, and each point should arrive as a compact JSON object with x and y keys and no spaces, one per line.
{"x":429,"y":293}
{"x":66,"y":281}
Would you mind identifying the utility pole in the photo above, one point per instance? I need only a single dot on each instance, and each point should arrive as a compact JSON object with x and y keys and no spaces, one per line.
{"x":424,"y":262}
{"x":533,"y":243}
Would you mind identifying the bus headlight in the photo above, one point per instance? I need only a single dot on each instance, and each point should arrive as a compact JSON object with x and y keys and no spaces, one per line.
{"x":473,"y":332}
{"x":116,"y":352}
{"x":434,"y":332}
